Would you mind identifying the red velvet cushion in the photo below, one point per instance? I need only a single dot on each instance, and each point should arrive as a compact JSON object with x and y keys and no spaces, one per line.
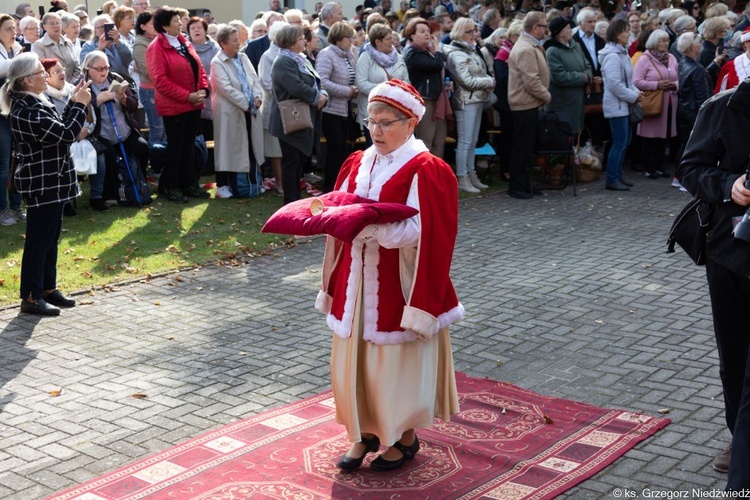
{"x":344,"y":216}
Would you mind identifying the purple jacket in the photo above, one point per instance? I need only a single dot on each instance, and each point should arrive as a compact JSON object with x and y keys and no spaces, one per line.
{"x":334,"y":76}
{"x":646,"y":75}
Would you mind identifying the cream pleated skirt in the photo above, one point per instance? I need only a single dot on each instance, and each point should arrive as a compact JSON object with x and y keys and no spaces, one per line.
{"x":388,"y":389}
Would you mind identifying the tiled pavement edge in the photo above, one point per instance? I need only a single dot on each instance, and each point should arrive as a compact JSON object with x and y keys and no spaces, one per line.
{"x":571,"y":297}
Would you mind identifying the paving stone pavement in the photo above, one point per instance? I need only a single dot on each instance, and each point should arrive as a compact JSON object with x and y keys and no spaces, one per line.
{"x":569,"y":297}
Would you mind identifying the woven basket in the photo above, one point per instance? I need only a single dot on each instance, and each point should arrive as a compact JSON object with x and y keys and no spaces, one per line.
{"x":586,"y":173}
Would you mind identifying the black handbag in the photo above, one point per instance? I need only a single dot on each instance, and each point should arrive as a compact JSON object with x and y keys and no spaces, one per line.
{"x":553,"y":132}
{"x":690,"y":230}
{"x":636,"y":114}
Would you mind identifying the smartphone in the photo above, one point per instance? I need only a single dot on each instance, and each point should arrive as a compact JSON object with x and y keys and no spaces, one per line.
{"x":41,"y":11}
{"x":99,"y":12}
{"x":107,"y":28}
{"x":27,"y":47}
{"x":721,"y":45}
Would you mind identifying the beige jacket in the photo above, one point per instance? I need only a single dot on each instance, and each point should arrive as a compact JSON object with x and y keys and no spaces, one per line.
{"x":528,"y":80}
{"x":64,"y":52}
{"x":229,"y":106}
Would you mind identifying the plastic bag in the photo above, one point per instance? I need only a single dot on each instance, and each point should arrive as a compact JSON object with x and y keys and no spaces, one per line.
{"x":84,"y":157}
{"x":589,"y":157}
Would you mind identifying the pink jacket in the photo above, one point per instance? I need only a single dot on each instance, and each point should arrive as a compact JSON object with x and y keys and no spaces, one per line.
{"x":173,"y":76}
{"x":646,"y":75}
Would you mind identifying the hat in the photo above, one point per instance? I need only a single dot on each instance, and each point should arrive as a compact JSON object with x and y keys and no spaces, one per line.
{"x":745,"y":36}
{"x":401,"y":96}
{"x":558,"y":24}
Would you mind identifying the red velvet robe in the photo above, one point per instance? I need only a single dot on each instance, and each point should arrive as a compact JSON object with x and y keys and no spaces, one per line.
{"x":408,"y":293}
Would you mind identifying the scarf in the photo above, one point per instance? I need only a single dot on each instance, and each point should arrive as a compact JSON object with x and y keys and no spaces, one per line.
{"x":503,"y":52}
{"x":302,"y":62}
{"x":339,"y":51}
{"x":384,"y":60}
{"x":64,"y":94}
{"x":662,"y":57}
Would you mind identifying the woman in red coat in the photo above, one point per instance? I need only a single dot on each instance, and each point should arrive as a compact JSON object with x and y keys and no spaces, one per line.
{"x":181,"y":90}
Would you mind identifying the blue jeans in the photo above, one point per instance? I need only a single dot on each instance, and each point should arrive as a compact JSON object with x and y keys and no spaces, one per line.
{"x":621,"y":131}
{"x":156,"y":133}
{"x":97,"y":180}
{"x":5,"y":152}
{"x":468,"y":121}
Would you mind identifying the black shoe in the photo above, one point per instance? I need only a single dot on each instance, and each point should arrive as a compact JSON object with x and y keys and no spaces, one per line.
{"x":56,"y":298}
{"x":651,"y":175}
{"x":408,"y":453}
{"x":520,"y":195}
{"x":196,"y":192}
{"x":176,"y":196}
{"x":347,"y":463}
{"x":69,"y":211}
{"x":98,"y":205}
{"x":617,"y":186}
{"x":626,"y":182}
{"x":40,"y":308}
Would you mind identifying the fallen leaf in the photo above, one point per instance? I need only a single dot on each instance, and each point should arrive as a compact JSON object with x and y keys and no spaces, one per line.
{"x":56,"y":392}
{"x":170,"y":337}
{"x":85,"y":302}
{"x":157,"y":303}
{"x":599,"y":322}
{"x":547,"y":420}
{"x":140,"y":395}
{"x":503,"y":411}
{"x":665,"y":410}
{"x":88,"y":274}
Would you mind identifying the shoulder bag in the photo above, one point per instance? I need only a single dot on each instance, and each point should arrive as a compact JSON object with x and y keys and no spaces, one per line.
{"x":653,"y":100}
{"x":690,"y":230}
{"x":295,"y":114}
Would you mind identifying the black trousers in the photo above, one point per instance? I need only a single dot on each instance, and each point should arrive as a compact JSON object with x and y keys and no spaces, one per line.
{"x":506,"y":139}
{"x":293,"y":163}
{"x":653,"y":153}
{"x":730,"y":294}
{"x":179,"y":170}
{"x":335,"y":130}
{"x":39,"y":261}
{"x":522,"y":152}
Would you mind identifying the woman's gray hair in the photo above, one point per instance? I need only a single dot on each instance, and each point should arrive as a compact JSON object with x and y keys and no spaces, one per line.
{"x":683,"y":24}
{"x":91,"y":57}
{"x":273,"y":31}
{"x":288,"y":36}
{"x":460,"y":27}
{"x":20,"y":67}
{"x":24,"y":23}
{"x":225,"y":31}
{"x":496,"y":35}
{"x":515,"y":28}
{"x":655,"y":37}
{"x":379,"y":106}
{"x":50,"y":15}
{"x":67,"y":18}
{"x":685,"y":40}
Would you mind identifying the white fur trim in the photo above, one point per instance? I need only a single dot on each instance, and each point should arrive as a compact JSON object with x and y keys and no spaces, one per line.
{"x":406,"y":99}
{"x":370,"y":181}
{"x":453,"y":316}
{"x":745,"y":37}
{"x":323,"y":302}
{"x":741,"y":63}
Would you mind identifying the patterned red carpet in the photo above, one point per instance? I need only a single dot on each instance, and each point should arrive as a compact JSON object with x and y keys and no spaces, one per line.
{"x":507,"y":443}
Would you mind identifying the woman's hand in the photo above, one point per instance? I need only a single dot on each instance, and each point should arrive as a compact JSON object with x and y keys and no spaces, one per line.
{"x":353,"y":91}
{"x":258,"y":101}
{"x":720,"y":56}
{"x":82,"y":94}
{"x":322,"y":101}
{"x":598,"y":80}
{"x":740,"y":194}
{"x":197,"y":98}
{"x":84,"y":133}
{"x":120,"y":96}
{"x":641,"y":95}
{"x":104,"y":96}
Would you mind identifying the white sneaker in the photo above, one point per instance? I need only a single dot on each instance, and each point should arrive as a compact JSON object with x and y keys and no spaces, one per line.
{"x":675,"y":182}
{"x":474,"y":180}
{"x":464,"y":184}
{"x":7,"y":218}
{"x":19,"y":214}
{"x":224,"y":192}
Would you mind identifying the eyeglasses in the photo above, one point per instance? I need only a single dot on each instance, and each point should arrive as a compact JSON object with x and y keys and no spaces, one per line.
{"x":471,"y":32}
{"x":42,"y":72}
{"x":385,"y":126}
{"x":542,"y":26}
{"x":100,"y":68}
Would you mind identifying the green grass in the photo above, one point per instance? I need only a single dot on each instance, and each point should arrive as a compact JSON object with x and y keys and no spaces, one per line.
{"x":101,"y":248}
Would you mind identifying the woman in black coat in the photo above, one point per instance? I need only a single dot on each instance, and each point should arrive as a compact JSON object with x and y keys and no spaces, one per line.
{"x":425,"y":65}
{"x":293,"y":77}
{"x":44,"y":176}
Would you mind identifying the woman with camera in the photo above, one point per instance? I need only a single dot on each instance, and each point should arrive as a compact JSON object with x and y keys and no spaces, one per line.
{"x":44,"y":176}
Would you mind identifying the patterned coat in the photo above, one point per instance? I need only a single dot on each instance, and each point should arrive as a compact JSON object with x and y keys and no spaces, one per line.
{"x":44,"y":171}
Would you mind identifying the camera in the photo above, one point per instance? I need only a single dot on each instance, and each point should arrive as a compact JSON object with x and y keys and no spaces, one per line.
{"x":742,"y":230}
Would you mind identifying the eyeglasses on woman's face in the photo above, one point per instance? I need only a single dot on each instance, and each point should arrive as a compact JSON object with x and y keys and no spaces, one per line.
{"x":99,"y":68}
{"x":383,"y":125}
